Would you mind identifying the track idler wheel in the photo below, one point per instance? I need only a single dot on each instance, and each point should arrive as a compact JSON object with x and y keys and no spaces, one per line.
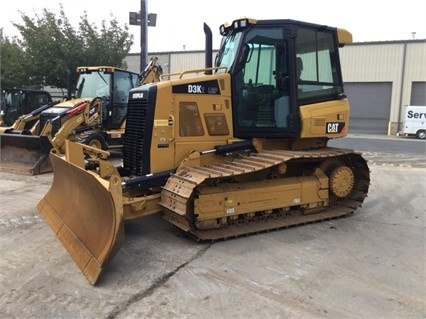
{"x":341,"y":181}
{"x":341,"y":177}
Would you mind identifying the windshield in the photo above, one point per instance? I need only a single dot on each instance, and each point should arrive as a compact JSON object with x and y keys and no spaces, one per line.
{"x":11,"y":99}
{"x":93,"y":84}
{"x":228,"y":50}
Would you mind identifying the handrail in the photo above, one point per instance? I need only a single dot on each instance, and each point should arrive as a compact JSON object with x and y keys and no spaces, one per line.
{"x":181,"y":74}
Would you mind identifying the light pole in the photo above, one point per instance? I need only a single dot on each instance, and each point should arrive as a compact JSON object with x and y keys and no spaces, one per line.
{"x":143,"y":20}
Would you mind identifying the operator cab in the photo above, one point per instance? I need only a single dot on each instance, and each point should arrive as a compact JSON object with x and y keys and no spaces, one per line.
{"x":110,"y":84}
{"x":276,"y":67}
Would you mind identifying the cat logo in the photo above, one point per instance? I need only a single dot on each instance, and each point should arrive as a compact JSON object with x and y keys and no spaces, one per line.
{"x":334,"y":127}
{"x":92,"y":110}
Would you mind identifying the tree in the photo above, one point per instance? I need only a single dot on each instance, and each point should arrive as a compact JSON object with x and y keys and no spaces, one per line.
{"x":14,"y":66}
{"x":52,"y":47}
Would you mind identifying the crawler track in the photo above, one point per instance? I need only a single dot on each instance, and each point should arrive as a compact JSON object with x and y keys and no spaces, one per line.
{"x":183,"y":187}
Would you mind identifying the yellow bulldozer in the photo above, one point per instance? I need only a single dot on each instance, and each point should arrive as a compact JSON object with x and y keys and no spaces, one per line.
{"x":96,"y":116}
{"x":239,"y":150}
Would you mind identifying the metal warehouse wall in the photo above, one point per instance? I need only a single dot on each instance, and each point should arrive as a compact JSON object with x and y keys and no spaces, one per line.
{"x":133,"y":61}
{"x":171,"y":62}
{"x":399,"y":63}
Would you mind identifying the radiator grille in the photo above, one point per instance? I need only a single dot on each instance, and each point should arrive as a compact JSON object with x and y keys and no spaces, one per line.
{"x":56,"y":125}
{"x":134,"y":138}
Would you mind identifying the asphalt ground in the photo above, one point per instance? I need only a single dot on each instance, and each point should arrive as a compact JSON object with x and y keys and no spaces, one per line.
{"x":368,"y":265}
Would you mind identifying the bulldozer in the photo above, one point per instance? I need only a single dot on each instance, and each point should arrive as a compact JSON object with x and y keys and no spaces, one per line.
{"x":241,"y":149}
{"x":95,"y":116}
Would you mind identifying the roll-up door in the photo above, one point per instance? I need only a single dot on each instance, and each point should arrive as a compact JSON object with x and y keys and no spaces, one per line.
{"x":370,"y":106}
{"x":418,"y":93}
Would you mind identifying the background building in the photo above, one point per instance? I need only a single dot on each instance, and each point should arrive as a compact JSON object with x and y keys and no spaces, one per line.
{"x":380,"y":78}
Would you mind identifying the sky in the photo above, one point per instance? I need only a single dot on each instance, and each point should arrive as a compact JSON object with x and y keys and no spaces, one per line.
{"x":180,"y":23}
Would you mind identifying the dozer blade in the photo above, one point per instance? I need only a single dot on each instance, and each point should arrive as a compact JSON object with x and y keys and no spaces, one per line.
{"x":86,"y":214}
{"x":25,"y":154}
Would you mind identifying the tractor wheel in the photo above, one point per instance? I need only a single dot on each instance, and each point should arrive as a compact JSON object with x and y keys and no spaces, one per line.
{"x":93,"y":138}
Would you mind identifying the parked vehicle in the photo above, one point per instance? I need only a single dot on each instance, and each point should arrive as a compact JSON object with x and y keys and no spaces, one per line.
{"x":414,"y":122}
{"x":239,"y":150}
{"x":16,"y":102}
{"x":95,"y":116}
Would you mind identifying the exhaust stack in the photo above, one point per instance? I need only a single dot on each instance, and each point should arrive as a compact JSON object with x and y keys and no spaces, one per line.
{"x":209,"y":48}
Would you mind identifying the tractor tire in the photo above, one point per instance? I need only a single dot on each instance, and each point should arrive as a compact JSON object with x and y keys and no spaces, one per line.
{"x":94,"y":139}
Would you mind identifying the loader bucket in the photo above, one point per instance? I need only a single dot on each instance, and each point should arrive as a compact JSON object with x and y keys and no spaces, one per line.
{"x":86,"y":214}
{"x":25,"y":154}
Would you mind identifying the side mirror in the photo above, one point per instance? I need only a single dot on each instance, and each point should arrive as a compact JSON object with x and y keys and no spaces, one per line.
{"x":242,"y":59}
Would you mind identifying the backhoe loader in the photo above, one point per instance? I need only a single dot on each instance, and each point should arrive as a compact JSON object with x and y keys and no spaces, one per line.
{"x":16,"y":102}
{"x":239,"y":150}
{"x":95,"y":117}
